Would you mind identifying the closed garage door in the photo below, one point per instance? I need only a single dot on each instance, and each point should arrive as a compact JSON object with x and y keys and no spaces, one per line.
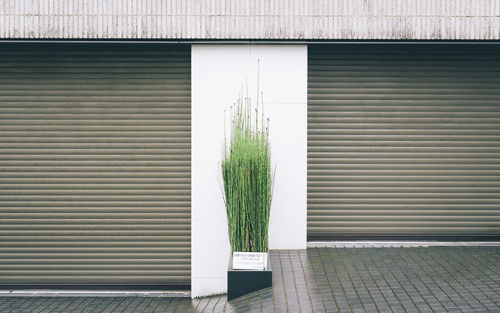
{"x":403,"y":140}
{"x":95,"y":164}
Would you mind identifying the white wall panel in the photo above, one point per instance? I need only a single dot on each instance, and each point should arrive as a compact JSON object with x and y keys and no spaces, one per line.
{"x":218,"y":72}
{"x":251,"y":19}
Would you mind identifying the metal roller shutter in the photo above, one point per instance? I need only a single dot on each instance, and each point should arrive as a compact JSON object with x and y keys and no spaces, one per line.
{"x":403,"y":140}
{"x":95,"y":164}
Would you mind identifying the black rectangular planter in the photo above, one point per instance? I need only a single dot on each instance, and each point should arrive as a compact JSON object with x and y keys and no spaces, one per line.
{"x":242,"y":282}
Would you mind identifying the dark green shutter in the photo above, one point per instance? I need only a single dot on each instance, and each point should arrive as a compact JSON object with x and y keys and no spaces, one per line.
{"x":403,"y":140}
{"x":95,"y":164}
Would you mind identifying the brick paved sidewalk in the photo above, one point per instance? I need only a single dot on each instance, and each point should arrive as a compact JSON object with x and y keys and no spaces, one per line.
{"x":433,"y":279}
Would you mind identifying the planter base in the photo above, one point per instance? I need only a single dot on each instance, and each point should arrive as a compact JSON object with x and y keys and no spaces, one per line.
{"x":242,"y":282}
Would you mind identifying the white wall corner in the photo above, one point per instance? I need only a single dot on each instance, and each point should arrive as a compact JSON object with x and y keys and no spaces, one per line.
{"x":218,"y":72}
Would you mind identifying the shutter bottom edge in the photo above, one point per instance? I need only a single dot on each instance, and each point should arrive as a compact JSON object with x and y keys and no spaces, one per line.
{"x":402,"y":236}
{"x":107,"y":287}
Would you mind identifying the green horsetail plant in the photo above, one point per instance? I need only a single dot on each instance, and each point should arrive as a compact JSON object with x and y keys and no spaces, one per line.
{"x":247,"y":177}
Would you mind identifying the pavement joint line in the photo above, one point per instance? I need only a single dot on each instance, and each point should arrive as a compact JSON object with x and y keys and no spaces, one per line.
{"x":93,"y":293}
{"x":400,"y":244}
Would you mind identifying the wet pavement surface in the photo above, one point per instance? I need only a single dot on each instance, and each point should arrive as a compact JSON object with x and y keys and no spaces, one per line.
{"x":430,"y":279}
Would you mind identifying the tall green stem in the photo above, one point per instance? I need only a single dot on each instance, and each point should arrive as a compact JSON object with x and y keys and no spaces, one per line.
{"x":247,"y":177}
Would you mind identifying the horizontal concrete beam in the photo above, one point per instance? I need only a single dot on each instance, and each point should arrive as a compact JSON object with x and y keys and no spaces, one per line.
{"x":253,"y":19}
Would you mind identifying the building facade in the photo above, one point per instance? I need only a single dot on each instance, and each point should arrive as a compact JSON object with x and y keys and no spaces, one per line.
{"x":385,"y":123}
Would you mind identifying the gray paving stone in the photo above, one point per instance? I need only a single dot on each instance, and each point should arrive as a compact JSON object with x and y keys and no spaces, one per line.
{"x":431,"y":279}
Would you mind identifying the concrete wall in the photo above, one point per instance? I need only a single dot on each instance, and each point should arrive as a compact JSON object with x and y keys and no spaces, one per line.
{"x":218,"y":72}
{"x":251,"y":19}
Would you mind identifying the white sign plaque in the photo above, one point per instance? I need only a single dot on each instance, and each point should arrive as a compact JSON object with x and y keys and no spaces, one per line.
{"x":249,"y":260}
